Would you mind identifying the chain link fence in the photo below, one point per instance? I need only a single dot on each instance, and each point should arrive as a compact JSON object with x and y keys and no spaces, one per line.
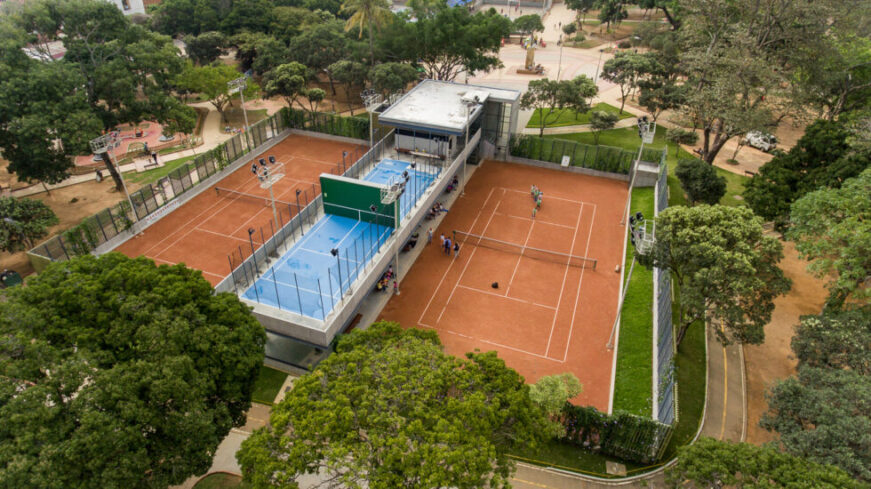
{"x":666,"y":388}
{"x":594,"y":157}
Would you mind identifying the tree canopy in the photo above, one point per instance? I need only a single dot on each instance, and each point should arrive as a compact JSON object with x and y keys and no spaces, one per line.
{"x":390,"y":409}
{"x":527,"y":24}
{"x":712,"y":463}
{"x":115,"y":373}
{"x":448,"y":41}
{"x":23,"y":222}
{"x":725,"y":267}
{"x":623,"y":70}
{"x":206,"y":47}
{"x":390,"y":78}
{"x":287,"y":81}
{"x":832,"y":228}
{"x":211,"y":81}
{"x":601,"y":121}
{"x":125,"y":70}
{"x":700,"y":181}
{"x":822,"y":157}
{"x":835,"y":339}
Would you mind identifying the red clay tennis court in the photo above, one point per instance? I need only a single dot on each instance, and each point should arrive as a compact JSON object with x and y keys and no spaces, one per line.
{"x":205,"y":230}
{"x":546,"y":317}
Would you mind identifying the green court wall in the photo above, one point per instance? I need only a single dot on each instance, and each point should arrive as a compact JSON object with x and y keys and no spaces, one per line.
{"x":345,"y":196}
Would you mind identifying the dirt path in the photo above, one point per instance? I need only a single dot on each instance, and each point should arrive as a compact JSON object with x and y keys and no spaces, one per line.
{"x":774,"y":359}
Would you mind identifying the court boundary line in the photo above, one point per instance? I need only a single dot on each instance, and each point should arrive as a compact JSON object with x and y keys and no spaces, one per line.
{"x":471,"y":256}
{"x":505,"y":296}
{"x":580,"y":284}
{"x":536,"y":220}
{"x":493,"y":343}
{"x":565,"y":276}
{"x":519,"y":258}
{"x":448,"y":269}
{"x":552,"y":197}
{"x":167,"y":262}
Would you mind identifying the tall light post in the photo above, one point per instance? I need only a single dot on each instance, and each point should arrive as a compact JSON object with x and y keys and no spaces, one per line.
{"x":372,"y":100}
{"x":239,"y":85}
{"x":596,"y":78}
{"x":267,"y":178}
{"x":560,"y":68}
{"x":646,"y":133}
{"x":101,"y":146}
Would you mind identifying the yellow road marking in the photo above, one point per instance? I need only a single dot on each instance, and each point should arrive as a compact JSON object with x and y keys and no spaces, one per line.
{"x":528,"y":482}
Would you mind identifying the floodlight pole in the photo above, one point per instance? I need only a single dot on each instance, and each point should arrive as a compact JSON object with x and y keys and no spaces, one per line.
{"x":469,"y":106}
{"x":103,"y":145}
{"x":241,"y":84}
{"x":642,"y":131}
{"x":560,"y":68}
{"x":596,"y":78}
{"x":396,"y":205}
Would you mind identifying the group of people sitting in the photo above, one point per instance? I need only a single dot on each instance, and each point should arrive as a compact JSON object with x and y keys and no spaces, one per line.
{"x":434,"y":211}
{"x":384,"y":282}
{"x":453,"y":185}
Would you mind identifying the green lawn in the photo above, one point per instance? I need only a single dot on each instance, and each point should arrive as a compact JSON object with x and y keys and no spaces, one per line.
{"x":221,"y":480}
{"x":634,"y":353}
{"x":269,"y":382}
{"x":151,"y":176}
{"x":555,"y":453}
{"x":568,"y":117}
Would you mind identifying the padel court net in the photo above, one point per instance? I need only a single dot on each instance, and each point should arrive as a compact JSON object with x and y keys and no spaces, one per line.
{"x":314,"y":274}
{"x":525,"y":251}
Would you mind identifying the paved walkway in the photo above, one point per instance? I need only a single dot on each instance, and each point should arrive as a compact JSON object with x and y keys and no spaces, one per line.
{"x":212,"y":135}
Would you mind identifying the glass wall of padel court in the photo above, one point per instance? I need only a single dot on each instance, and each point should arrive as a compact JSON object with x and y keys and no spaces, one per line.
{"x":311,"y":276}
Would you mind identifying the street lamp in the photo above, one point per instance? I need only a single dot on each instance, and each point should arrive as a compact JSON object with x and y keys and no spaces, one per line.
{"x":596,"y":78}
{"x":101,"y":146}
{"x":239,"y":85}
{"x":267,"y":179}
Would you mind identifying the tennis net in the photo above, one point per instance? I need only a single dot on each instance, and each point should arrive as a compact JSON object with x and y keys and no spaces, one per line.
{"x":527,"y":251}
{"x":235,"y":194}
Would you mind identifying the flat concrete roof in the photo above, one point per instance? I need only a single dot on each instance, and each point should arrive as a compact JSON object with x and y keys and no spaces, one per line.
{"x":438,"y":106}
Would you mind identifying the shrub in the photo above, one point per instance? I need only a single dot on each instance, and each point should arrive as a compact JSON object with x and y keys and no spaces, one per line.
{"x":624,"y":45}
{"x":570,"y":29}
{"x":700,"y":181}
{"x":580,"y":37}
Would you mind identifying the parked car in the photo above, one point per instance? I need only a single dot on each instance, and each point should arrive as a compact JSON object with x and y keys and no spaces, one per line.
{"x":760,"y":140}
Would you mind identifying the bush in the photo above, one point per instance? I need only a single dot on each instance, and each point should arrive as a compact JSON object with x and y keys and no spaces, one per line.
{"x":336,"y":125}
{"x":623,"y":435}
{"x":680,"y":136}
{"x":594,"y":157}
{"x":580,"y":37}
{"x":700,"y":181}
{"x":624,"y":45}
{"x":570,"y":29}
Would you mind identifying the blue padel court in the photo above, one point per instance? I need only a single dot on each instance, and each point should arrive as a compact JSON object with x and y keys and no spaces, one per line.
{"x":391,"y":171}
{"x":311,"y":277}
{"x":308,"y":279}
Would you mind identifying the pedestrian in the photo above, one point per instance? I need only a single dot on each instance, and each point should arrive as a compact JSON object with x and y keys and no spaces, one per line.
{"x":448,"y":246}
{"x":456,"y":250}
{"x":534,"y":211}
{"x":154,"y":156}
{"x":429,"y":236}
{"x":538,"y":203}
{"x":395,"y":288}
{"x":390,"y":272}
{"x":443,"y":240}
{"x":532,"y":192}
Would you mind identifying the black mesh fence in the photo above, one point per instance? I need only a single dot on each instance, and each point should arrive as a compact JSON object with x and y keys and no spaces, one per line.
{"x":666,"y":389}
{"x":595,"y":157}
{"x":108,"y":223}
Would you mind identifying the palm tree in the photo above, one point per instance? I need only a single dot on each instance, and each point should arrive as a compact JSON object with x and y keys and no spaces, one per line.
{"x":368,"y":13}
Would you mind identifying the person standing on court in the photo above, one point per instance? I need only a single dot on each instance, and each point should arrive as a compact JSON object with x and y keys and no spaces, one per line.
{"x":443,"y":240}
{"x":429,"y":236}
{"x":456,"y":250}
{"x":448,"y":246}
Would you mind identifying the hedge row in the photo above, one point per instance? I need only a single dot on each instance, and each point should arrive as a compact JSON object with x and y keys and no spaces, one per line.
{"x":622,"y":435}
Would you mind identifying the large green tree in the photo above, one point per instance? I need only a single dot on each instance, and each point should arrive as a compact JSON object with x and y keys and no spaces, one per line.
{"x":835,"y":339}
{"x":206,"y":47}
{"x":623,"y":70}
{"x":549,"y":97}
{"x":528,"y":24}
{"x":581,"y":7}
{"x":368,"y":15}
{"x":247,"y":15}
{"x":823,"y":157}
{"x":612,"y":12}
{"x":23,"y":222}
{"x":116,"y":373}
{"x":390,"y":409}
{"x":741,"y":59}
{"x":211,"y":81}
{"x":126,"y":69}
{"x":350,"y":74}
{"x":725,"y":268}
{"x":832,"y":228}
{"x":822,"y":414}
{"x":390,"y":78}
{"x":320,"y":46}
{"x":447,"y":41}
{"x":287,"y":81}
{"x":45,"y":118}
{"x":713,"y":463}
{"x":259,"y":52}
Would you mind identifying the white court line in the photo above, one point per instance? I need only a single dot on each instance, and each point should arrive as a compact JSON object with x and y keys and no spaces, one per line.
{"x":480,"y":209}
{"x":505,"y":297}
{"x":550,"y":197}
{"x":580,"y":282}
{"x":221,"y":234}
{"x":565,"y":274}
{"x":520,"y":257}
{"x":536,"y":220}
{"x":471,"y":255}
{"x":167,"y":262}
{"x":493,"y":343}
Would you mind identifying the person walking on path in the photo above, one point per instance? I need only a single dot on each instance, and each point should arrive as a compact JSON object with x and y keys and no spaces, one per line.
{"x":429,"y":236}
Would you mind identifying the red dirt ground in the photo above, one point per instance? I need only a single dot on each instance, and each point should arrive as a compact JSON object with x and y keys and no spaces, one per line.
{"x":545,"y":318}
{"x":205,"y":230}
